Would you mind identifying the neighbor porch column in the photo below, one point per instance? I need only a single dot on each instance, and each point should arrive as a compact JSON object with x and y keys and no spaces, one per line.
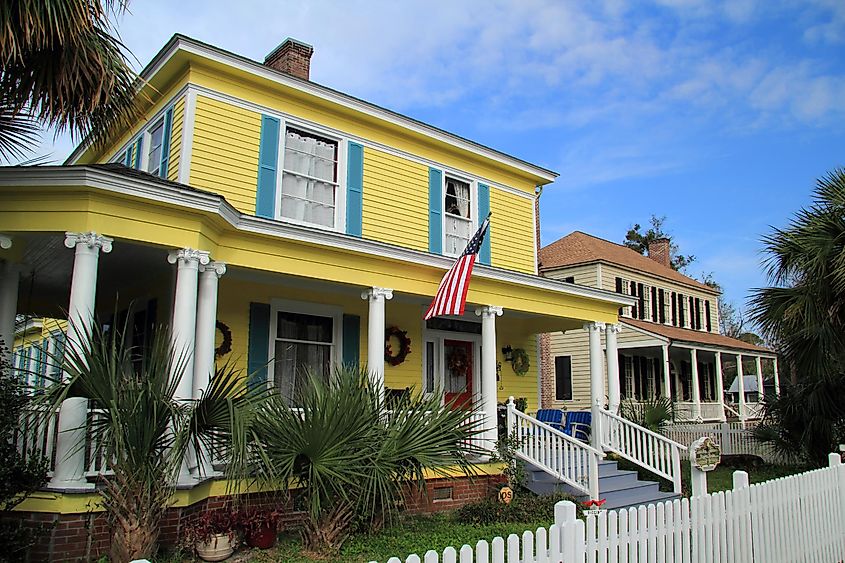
{"x":9,"y":281}
{"x":667,"y":378}
{"x":696,"y":390}
{"x":720,"y":387}
{"x":760,"y":391}
{"x":488,"y":316}
{"x":183,"y":324}
{"x":73,"y":414}
{"x":740,"y":387}
{"x":376,"y":296}
{"x":613,"y":394}
{"x":777,"y":377}
{"x":596,"y":382}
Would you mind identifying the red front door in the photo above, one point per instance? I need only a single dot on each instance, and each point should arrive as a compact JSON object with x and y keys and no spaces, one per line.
{"x":459,"y":361}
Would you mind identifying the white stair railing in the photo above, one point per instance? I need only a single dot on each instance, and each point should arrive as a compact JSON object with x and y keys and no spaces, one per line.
{"x":559,"y":455}
{"x":648,"y":449}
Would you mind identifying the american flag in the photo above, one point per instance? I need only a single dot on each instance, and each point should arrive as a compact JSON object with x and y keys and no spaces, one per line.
{"x":451,"y":296}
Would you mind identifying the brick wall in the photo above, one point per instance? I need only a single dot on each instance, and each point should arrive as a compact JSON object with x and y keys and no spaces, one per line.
{"x":547,"y":372}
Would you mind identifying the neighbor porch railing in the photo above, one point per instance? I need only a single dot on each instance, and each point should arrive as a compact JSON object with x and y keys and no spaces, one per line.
{"x":734,"y":438}
{"x":710,"y":411}
{"x":650,"y":450}
{"x":558,"y":454}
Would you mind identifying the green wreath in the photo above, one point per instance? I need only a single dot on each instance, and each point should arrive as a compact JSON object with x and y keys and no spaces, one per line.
{"x":520,"y":361}
{"x":404,"y":345}
{"x":225,"y":346}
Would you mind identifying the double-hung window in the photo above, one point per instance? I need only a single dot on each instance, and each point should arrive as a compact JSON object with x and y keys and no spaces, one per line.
{"x":304,"y":346}
{"x":457,"y":216}
{"x":156,"y":135}
{"x":309,"y":178}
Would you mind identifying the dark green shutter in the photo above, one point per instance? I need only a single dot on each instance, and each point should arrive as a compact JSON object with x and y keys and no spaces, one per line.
{"x":354,"y":189}
{"x":483,"y":211}
{"x":138,"y":146}
{"x":268,"y":158}
{"x":435,"y":211}
{"x":351,"y":340}
{"x":259,"y":343}
{"x":165,"y":143}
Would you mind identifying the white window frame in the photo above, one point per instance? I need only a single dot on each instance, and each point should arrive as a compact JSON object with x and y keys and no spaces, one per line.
{"x":147,"y":144}
{"x":340,"y":186}
{"x":303,"y":308}
{"x":473,"y":205}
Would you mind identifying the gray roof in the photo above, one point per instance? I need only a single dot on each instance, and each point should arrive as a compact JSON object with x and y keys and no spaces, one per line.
{"x":750,"y":382}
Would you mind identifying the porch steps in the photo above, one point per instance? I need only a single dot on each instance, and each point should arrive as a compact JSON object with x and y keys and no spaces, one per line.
{"x":619,"y":487}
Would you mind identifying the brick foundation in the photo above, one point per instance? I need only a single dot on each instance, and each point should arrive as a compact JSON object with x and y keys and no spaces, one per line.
{"x":85,"y":537}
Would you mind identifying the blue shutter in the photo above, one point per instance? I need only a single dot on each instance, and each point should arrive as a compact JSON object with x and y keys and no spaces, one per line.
{"x":435,"y":211}
{"x":268,"y":158}
{"x":127,"y":156}
{"x":165,"y":143}
{"x":351,"y":340}
{"x":138,"y":145}
{"x":354,"y":189}
{"x":259,"y":343}
{"x":483,"y":211}
{"x":40,"y":363}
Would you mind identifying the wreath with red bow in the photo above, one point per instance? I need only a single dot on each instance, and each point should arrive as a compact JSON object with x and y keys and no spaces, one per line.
{"x":404,"y":345}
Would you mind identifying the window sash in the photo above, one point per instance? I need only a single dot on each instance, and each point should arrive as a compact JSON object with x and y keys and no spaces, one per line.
{"x":156,"y":133}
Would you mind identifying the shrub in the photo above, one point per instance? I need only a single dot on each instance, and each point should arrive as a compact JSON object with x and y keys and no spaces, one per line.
{"x":526,"y":507}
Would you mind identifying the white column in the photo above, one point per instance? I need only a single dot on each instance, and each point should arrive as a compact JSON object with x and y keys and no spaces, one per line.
{"x":73,"y":414}
{"x":760,"y":391}
{"x":488,"y":316}
{"x":596,"y":381}
{"x":696,"y":389}
{"x":720,"y":387}
{"x":376,"y":296}
{"x":777,"y":377}
{"x":740,"y":387}
{"x":667,"y":376}
{"x":613,"y":393}
{"x":9,"y":281}
{"x":209,"y":274}
{"x":183,"y":324}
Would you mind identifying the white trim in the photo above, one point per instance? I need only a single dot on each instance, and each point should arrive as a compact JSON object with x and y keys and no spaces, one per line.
{"x":195,"y":200}
{"x":534,"y":207}
{"x":186,"y":151}
{"x":439,"y":337}
{"x":599,"y":275}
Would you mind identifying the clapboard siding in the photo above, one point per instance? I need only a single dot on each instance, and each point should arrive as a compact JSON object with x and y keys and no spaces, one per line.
{"x":176,"y":140}
{"x":575,"y":344}
{"x":512,"y":231}
{"x":225,"y":152}
{"x":512,"y":384}
{"x":586,"y":274}
{"x":408,"y":374}
{"x":395,"y":200}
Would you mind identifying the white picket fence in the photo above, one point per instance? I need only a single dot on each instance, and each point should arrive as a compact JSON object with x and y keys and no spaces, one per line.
{"x":733,"y":437}
{"x":800,"y":518}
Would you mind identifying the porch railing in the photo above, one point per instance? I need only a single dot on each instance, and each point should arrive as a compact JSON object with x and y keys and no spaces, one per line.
{"x":558,"y":454}
{"x":36,"y":437}
{"x":650,"y":450}
{"x":734,"y":438}
{"x":712,"y":411}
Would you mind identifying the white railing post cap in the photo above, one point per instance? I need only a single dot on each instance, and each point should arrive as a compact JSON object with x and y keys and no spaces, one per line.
{"x":740,"y":480}
{"x":510,"y":400}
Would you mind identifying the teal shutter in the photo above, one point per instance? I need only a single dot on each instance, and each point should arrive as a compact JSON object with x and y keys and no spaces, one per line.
{"x":138,"y":145}
{"x":354,"y":189}
{"x":268,"y":158}
{"x":40,"y":363}
{"x":127,"y":156}
{"x":435,"y":211}
{"x":257,"y":358}
{"x":483,"y":211}
{"x":351,"y":340}
{"x":165,"y":143}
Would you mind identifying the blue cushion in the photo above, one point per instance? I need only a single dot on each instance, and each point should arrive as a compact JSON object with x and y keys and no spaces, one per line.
{"x":577,"y":423}
{"x":552,"y":417}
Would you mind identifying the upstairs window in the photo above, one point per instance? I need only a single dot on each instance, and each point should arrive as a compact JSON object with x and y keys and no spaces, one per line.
{"x":156,"y":133}
{"x":458,"y":216}
{"x":309,"y":178}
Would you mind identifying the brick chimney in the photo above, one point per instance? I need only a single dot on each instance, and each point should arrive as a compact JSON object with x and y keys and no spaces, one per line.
{"x":291,"y":57}
{"x":658,"y":250}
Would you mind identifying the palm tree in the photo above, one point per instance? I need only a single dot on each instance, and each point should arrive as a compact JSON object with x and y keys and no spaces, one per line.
{"x":141,"y":429}
{"x":62,"y":68}
{"x":353,"y":454}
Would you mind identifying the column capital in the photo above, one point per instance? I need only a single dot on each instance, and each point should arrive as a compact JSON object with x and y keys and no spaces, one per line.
{"x":375,"y":293}
{"x":188,"y":255}
{"x":218,"y":268}
{"x":489,"y":311}
{"x":5,"y":242}
{"x":613,"y":327}
{"x":89,"y":239}
{"x":594,"y":326}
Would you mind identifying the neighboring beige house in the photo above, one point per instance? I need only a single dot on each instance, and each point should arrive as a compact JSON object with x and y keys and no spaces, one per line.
{"x":674,"y":329}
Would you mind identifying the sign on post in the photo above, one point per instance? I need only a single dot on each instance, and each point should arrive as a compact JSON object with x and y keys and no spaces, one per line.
{"x":704,"y":455}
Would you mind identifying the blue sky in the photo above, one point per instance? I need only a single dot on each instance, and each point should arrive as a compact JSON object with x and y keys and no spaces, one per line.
{"x":718,"y":115}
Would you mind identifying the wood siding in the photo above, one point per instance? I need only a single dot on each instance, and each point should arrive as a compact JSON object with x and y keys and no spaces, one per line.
{"x":573,"y":343}
{"x":225,"y":152}
{"x":395,"y":207}
{"x":512,"y":244}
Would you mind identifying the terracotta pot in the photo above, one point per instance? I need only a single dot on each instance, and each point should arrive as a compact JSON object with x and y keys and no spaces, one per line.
{"x":218,"y":548}
{"x":263,"y":538}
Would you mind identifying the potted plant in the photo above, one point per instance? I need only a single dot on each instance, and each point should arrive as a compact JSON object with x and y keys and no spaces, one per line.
{"x":212,"y":534}
{"x":260,"y":527}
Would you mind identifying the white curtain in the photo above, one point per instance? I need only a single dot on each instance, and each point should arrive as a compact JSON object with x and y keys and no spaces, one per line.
{"x":308,"y":192}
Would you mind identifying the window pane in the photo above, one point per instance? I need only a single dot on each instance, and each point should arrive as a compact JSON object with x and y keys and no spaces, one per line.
{"x":310,"y":155}
{"x":458,"y":233}
{"x":307,"y":200}
{"x":293,"y":364}
{"x":154,"y":155}
{"x":298,"y":326}
{"x":429,"y":367}
{"x":457,"y":199}
{"x":563,"y":378}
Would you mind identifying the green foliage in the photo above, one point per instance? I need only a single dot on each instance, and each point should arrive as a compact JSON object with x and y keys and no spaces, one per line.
{"x":525,"y":507}
{"x":352,"y":456}
{"x":19,"y":476}
{"x":654,"y":413}
{"x":637,"y":240}
{"x":506,"y":448}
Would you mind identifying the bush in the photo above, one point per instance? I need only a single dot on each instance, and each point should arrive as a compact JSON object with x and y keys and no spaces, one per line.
{"x":526,"y":507}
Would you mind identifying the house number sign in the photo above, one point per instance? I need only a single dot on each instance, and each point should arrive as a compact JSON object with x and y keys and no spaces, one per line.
{"x":705,"y":454}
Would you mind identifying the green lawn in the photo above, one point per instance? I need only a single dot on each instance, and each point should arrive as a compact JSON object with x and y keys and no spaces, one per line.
{"x":721,"y":478}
